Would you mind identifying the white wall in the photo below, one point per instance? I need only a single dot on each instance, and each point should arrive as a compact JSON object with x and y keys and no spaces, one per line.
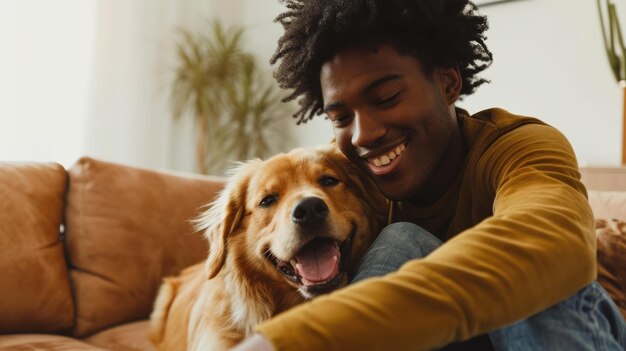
{"x":45,"y":65}
{"x":549,"y":62}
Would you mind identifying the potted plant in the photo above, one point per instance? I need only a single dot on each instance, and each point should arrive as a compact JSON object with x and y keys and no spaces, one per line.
{"x":236,"y":107}
{"x":616,"y":53}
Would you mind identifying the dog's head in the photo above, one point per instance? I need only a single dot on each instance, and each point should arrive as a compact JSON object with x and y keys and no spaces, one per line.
{"x":304,"y":218}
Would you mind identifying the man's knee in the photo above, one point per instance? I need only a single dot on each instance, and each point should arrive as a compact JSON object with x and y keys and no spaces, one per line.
{"x":408,"y":237}
{"x":396,"y":244}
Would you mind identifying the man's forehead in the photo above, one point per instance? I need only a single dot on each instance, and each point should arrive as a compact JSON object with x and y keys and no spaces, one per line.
{"x":355,"y":61}
{"x":352,"y":63}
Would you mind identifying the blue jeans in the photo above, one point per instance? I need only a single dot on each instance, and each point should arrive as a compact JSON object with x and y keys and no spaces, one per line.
{"x":588,"y":320}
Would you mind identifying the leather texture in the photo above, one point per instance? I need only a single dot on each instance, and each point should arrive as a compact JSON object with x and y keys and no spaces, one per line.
{"x":43,"y":342}
{"x":127,"y":228}
{"x":126,"y":337}
{"x":34,"y":289}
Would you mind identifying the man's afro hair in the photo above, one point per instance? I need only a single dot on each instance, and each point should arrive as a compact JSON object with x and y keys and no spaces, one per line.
{"x":437,"y":32}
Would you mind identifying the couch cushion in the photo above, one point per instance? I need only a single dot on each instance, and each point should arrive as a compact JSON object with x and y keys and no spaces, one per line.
{"x":126,"y":337}
{"x":34,"y":288}
{"x":127,"y":228}
{"x":43,"y":342}
{"x":611,"y":236}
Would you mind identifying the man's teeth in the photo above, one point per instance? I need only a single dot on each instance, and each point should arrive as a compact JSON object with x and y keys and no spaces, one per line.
{"x":384,"y":159}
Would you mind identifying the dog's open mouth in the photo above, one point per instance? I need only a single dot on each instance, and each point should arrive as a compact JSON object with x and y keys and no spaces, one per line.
{"x":319,"y":266}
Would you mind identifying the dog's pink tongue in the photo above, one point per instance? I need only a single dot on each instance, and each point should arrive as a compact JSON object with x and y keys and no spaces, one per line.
{"x":318,"y":261}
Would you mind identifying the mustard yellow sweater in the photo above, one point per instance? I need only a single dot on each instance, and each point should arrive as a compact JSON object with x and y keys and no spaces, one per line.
{"x":519,"y":238}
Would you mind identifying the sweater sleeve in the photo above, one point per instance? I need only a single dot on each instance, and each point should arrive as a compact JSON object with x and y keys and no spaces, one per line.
{"x":537,"y":249}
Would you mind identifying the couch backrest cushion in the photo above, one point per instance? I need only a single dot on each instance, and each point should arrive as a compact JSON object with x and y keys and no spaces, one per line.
{"x":608,"y":204}
{"x":127,"y":228}
{"x":604,"y":178}
{"x":35,"y":295}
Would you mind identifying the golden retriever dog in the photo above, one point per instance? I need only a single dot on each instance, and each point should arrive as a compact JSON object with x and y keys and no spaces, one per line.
{"x":282,"y":231}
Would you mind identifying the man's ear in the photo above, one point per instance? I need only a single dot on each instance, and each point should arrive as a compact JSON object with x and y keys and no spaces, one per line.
{"x":224,"y":217}
{"x":450,"y":82}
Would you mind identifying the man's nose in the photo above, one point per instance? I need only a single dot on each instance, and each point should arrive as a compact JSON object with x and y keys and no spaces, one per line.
{"x":367,"y":130}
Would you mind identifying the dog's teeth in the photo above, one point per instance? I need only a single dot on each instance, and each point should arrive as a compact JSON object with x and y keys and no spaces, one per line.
{"x":293,"y":263}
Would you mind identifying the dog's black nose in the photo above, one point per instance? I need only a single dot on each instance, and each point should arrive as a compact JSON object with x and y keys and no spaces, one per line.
{"x":309,"y":211}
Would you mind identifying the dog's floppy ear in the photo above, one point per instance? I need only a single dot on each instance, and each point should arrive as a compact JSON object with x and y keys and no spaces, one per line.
{"x":365,"y":187}
{"x":224,"y":216}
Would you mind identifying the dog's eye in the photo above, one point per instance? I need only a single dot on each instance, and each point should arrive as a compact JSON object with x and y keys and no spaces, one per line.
{"x":269,"y":200}
{"x":328,"y":181}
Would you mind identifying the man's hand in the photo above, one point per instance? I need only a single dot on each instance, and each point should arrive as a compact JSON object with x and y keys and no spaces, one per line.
{"x":256,"y":342}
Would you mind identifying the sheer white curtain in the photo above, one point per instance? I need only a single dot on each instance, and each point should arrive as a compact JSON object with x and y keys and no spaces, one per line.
{"x":90,"y":77}
{"x":129,"y":118}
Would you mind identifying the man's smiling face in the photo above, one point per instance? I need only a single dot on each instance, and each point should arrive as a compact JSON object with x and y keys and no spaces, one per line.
{"x":390,"y":118}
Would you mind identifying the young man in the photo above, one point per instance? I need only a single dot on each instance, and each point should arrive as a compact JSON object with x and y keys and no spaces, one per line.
{"x":494,"y":239}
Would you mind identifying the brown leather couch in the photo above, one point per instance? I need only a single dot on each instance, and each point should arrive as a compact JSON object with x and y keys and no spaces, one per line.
{"x":83,"y":250}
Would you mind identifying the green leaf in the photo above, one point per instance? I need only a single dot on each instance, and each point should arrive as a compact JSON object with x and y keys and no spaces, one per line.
{"x":220,"y":82}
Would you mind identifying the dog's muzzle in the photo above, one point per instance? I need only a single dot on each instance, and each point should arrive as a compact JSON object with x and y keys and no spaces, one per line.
{"x":310,"y":212}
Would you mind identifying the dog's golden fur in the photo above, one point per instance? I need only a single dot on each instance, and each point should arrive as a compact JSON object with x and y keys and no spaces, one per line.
{"x":252,"y":233}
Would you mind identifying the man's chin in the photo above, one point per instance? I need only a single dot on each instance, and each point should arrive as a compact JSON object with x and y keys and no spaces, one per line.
{"x":390,"y":185}
{"x":392,"y":192}
{"x":395,"y":190}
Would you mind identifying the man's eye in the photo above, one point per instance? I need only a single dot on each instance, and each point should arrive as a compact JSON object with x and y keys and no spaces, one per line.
{"x":328,"y":181}
{"x":269,"y":200}
{"x":340,"y":121}
{"x":387,"y":100}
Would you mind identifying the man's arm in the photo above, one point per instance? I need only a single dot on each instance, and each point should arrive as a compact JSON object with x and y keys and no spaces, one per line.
{"x":537,"y":249}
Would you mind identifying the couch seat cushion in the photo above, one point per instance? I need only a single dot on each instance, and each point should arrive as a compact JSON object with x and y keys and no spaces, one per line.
{"x":42,"y":342}
{"x":35,"y":294}
{"x":126,"y":337}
